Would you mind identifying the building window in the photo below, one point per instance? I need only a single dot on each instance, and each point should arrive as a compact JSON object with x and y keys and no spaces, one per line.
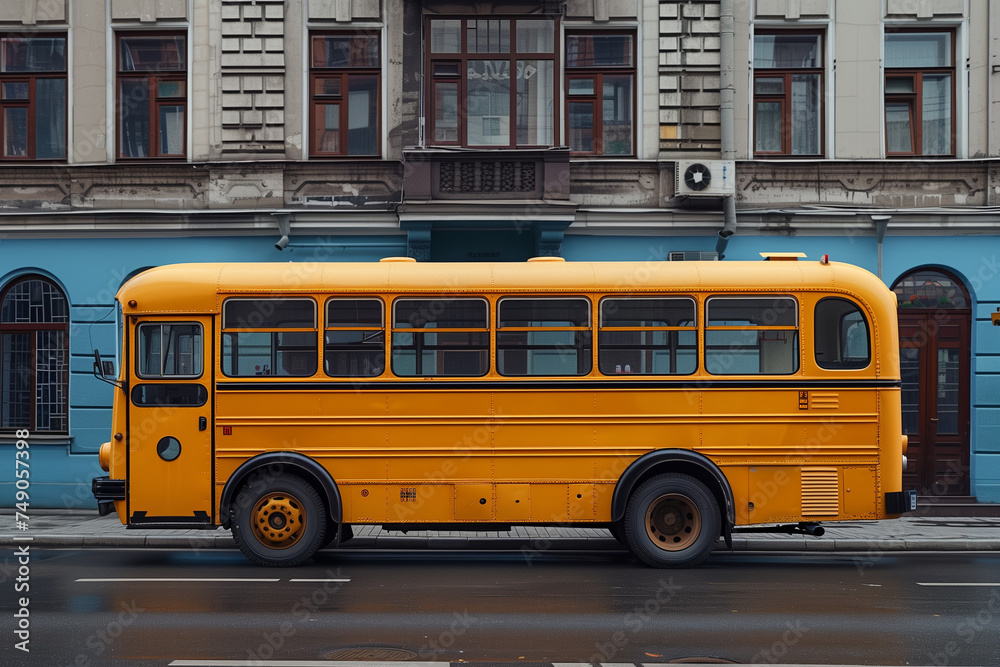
{"x":600,"y":85}
{"x":33,"y":97}
{"x":788,"y":93}
{"x":34,"y":339}
{"x":345,"y":93}
{"x":919,"y":93}
{"x":152,"y":95}
{"x":492,"y":82}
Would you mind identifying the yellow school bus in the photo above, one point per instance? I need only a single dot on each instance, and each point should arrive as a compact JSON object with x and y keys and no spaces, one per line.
{"x":670,"y":402}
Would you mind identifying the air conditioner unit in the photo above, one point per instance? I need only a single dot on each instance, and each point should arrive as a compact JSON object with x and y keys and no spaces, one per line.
{"x":704,"y":178}
{"x":692,"y":256}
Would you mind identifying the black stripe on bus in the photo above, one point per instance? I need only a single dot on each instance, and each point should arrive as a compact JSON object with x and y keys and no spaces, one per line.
{"x":278,"y":385}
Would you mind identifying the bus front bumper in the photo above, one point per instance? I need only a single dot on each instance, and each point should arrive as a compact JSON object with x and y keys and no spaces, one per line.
{"x":899,"y":502}
{"x":107,"y":491}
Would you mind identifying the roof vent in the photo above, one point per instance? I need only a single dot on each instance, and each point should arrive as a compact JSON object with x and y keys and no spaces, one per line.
{"x":398,"y":259}
{"x":692,"y":256}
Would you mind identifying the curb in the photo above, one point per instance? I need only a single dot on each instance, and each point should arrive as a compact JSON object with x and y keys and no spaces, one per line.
{"x":532,"y":544}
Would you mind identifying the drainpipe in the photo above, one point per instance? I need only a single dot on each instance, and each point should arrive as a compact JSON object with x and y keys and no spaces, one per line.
{"x":726,"y":95}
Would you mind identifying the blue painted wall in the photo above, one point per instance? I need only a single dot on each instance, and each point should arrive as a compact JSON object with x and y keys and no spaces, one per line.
{"x":91,"y":270}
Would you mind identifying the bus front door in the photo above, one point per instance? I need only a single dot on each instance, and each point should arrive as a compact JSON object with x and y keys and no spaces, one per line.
{"x":170,"y":421}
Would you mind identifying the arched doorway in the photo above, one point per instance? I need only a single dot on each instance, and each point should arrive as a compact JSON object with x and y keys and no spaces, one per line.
{"x":934,"y":320}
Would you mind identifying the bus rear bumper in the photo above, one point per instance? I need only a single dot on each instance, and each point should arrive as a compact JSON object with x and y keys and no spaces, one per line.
{"x":900,"y":502}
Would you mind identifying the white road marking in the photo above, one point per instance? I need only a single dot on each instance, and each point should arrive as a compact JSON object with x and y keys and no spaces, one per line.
{"x":297,"y":663}
{"x":318,"y":581}
{"x":957,"y":583}
{"x":168,"y":579}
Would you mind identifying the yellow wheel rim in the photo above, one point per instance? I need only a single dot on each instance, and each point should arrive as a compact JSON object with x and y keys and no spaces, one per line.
{"x":673,"y":522}
{"x":278,"y":520}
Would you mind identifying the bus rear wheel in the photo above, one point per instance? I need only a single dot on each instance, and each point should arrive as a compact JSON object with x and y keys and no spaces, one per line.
{"x":672,"y":520}
{"x":279,"y":521}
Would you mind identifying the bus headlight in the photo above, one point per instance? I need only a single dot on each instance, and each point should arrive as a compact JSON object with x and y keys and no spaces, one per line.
{"x":104,"y":456}
{"x":904,"y":463}
{"x":906,"y":442}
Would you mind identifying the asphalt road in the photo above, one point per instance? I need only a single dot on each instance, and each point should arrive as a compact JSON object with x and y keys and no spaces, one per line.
{"x":158,"y":607}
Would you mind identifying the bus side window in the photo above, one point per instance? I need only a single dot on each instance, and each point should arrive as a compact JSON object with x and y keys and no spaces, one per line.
{"x":169,"y":350}
{"x":354,"y":342}
{"x":843,"y":340}
{"x":275,"y":337}
{"x":544,"y":337}
{"x":751,"y":336}
{"x":647,"y":336}
{"x":440,"y":337}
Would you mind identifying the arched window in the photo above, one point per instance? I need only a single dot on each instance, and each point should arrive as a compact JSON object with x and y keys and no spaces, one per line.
{"x":927,"y":288}
{"x":34,"y":344}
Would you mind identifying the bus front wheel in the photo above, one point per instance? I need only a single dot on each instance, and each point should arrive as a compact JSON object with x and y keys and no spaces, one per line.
{"x":672,"y":520}
{"x":278,"y":521}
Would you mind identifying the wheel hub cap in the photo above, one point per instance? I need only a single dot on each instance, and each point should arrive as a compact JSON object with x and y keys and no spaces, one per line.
{"x":278,"y":520}
{"x":673,"y":522}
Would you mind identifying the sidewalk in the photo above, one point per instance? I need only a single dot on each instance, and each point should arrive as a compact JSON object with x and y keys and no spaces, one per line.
{"x":84,"y":528}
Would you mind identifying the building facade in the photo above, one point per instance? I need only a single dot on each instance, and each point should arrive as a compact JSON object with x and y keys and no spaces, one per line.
{"x":143,"y":132}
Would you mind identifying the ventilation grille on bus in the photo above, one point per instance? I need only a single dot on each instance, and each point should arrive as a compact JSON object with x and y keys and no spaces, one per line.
{"x":820,"y":492}
{"x":692,"y":256}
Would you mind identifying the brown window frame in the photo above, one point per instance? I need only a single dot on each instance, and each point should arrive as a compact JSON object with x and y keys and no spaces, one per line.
{"x":32,"y":329}
{"x":785,"y":97}
{"x":914,"y":100}
{"x":460,"y":61}
{"x":29,"y":102}
{"x":153,"y":79}
{"x":596,"y":97}
{"x":343,"y":74}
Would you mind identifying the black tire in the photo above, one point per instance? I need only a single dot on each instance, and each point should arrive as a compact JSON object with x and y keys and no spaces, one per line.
{"x":672,"y":520}
{"x":279,"y":521}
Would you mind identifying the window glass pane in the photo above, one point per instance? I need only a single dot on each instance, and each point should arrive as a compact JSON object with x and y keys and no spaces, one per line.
{"x":786,"y":51}
{"x":842,"y":340}
{"x":152,"y":54}
{"x":441,"y":313}
{"x":616,"y":115}
{"x":535,"y":36}
{"x":446,"y":36}
{"x":929,"y":289}
{"x":445,"y":111}
{"x":346,"y":50}
{"x":50,"y":119}
{"x":647,"y":312}
{"x":898,"y":127}
{"x":544,"y":313}
{"x":15,"y":380}
{"x":648,"y":352}
{"x":328,"y":128}
{"x":15,"y":132}
{"x":899,"y":84}
{"x":581,"y":86}
{"x":32,"y":301}
{"x":33,"y":54}
{"x":133,"y":140}
{"x":534,"y":353}
{"x":915,"y":50}
{"x":488,"y":89}
{"x":806,"y":109}
{"x":767,"y":127}
{"x":598,"y":50}
{"x":535,"y":91}
{"x":15,"y":90}
{"x":268,"y":314}
{"x":273,"y":353}
{"x":170,"y":89}
{"x":362,"y":114}
{"x":51,"y":366}
{"x":327,"y":87}
{"x":488,"y":36}
{"x":936,"y":114}
{"x":757,"y":312}
{"x":171,"y":130}
{"x":190,"y":395}
{"x":354,"y":313}
{"x":773,"y":352}
{"x":170,"y":350}
{"x":581,"y":126}
{"x":769,"y":85}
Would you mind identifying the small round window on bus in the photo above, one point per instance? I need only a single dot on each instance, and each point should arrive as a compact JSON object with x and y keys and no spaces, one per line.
{"x":843,"y":337}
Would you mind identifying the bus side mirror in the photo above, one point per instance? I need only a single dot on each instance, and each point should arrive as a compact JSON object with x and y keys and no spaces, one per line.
{"x":104,"y":370}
